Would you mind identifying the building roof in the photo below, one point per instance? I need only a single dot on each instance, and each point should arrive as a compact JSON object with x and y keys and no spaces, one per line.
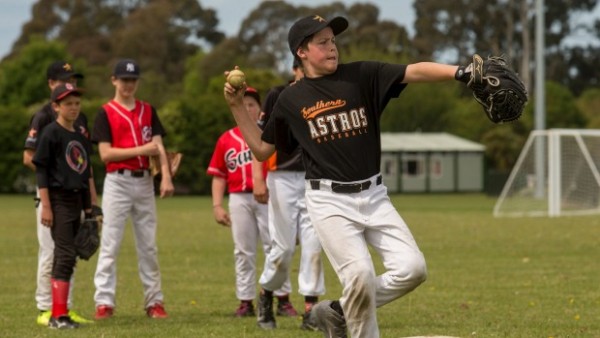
{"x":396,"y":142}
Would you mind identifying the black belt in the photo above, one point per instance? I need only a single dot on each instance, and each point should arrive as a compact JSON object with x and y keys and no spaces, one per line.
{"x":134,"y":173}
{"x":346,"y":188}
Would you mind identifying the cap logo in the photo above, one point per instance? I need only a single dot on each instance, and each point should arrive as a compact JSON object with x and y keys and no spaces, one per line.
{"x":130,"y":67}
{"x":69,"y":86}
{"x":67,"y":67}
{"x":319,"y":18}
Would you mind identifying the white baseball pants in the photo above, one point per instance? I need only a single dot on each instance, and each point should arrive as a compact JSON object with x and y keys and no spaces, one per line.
{"x":288,"y":218}
{"x":249,"y":225}
{"x":125,"y":196}
{"x":347,"y":224}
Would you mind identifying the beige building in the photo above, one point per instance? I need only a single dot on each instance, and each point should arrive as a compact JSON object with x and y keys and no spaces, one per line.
{"x":431,"y":162}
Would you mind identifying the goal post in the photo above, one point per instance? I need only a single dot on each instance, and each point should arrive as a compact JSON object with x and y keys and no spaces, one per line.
{"x":556,"y":174}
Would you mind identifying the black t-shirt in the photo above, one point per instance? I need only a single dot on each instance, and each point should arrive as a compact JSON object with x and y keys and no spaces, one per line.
{"x":44,"y":117}
{"x":335,"y":119}
{"x":62,"y":159}
{"x":289,"y":159}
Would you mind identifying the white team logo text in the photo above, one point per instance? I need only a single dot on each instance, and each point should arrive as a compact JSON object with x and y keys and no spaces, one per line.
{"x":234,"y":160}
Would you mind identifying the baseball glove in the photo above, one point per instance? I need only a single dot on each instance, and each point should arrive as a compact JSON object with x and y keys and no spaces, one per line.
{"x":496,"y":87}
{"x":87,"y":239}
{"x":174,"y":159}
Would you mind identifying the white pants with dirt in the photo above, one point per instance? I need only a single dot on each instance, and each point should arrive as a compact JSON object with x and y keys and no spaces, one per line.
{"x":43,"y":292}
{"x":248,"y":226}
{"x":288,"y":218}
{"x":347,"y":223}
{"x":123,"y":197}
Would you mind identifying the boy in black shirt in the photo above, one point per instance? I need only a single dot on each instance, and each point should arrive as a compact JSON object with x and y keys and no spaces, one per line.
{"x":57,"y":73}
{"x":62,"y":161}
{"x":334,"y":114}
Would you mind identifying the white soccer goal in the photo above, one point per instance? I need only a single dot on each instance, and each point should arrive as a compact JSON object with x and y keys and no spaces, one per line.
{"x":556,"y":174}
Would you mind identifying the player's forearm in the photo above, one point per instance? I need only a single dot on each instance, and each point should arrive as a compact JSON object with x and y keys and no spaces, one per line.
{"x":28,"y":159}
{"x":112,"y":154}
{"x":93,"y":193}
{"x":257,"y":170}
{"x":44,"y":198}
{"x":218,"y":191}
{"x":429,"y":72}
{"x":164,"y":160}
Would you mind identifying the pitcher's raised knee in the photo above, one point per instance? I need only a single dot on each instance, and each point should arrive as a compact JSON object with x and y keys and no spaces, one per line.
{"x":396,"y":283}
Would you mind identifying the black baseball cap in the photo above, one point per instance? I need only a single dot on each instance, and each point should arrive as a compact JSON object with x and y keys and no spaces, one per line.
{"x":63,"y":91}
{"x":126,"y":69}
{"x":252,"y":93}
{"x":310,"y":25}
{"x":61,"y":70}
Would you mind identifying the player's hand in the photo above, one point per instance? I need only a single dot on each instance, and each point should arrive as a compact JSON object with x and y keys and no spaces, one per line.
{"x":47,"y":216}
{"x":221,"y":215}
{"x":233,"y":96}
{"x":166,"y":187}
{"x":150,"y":149}
{"x":260,"y":192}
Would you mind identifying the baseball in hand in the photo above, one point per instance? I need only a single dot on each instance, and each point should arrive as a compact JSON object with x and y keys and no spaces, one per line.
{"x":236,"y":78}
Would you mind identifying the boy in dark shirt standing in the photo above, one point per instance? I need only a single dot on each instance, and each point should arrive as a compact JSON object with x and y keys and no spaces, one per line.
{"x":58,"y":73}
{"x":63,"y":173}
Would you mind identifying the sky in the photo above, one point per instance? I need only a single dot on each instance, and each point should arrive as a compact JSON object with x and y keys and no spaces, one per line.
{"x":14,"y":13}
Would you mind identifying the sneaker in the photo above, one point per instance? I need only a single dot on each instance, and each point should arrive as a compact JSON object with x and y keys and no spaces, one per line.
{"x":156,"y":311}
{"x":307,"y":323}
{"x":43,"y":318}
{"x":62,"y":322}
{"x":327,"y":320}
{"x":103,"y":312}
{"x":286,"y":309}
{"x":78,"y":319}
{"x":266,"y":319}
{"x":246,"y":309}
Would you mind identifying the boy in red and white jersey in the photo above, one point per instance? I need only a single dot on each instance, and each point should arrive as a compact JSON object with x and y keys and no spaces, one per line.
{"x":231,"y":168}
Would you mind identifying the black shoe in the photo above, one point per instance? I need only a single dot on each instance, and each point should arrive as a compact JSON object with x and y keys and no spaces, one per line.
{"x":266,"y":319}
{"x":307,"y":323}
{"x":328,"y":318}
{"x":62,"y":322}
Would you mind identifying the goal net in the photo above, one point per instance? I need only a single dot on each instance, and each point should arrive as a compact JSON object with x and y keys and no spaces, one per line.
{"x":556,"y":174}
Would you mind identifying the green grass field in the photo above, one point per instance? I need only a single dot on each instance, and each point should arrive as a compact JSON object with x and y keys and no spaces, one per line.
{"x":510,"y":277}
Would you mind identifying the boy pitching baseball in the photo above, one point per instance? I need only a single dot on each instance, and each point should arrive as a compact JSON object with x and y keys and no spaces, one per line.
{"x":334,"y":114}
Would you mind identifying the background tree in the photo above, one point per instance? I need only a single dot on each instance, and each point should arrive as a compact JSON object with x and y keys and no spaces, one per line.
{"x":159,"y":34}
{"x":23,"y":80}
{"x":452,"y":31}
{"x":588,"y":103}
{"x":14,"y":176}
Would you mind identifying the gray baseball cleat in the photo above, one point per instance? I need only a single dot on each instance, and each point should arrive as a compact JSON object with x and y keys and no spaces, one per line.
{"x":266,"y":319}
{"x":329,"y":321}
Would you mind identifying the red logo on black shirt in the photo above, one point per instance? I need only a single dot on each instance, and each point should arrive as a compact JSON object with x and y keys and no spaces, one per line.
{"x":76,"y":157}
{"x":84,"y":132}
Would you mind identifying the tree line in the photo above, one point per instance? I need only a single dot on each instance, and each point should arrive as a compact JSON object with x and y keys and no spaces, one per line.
{"x":183,"y":57}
